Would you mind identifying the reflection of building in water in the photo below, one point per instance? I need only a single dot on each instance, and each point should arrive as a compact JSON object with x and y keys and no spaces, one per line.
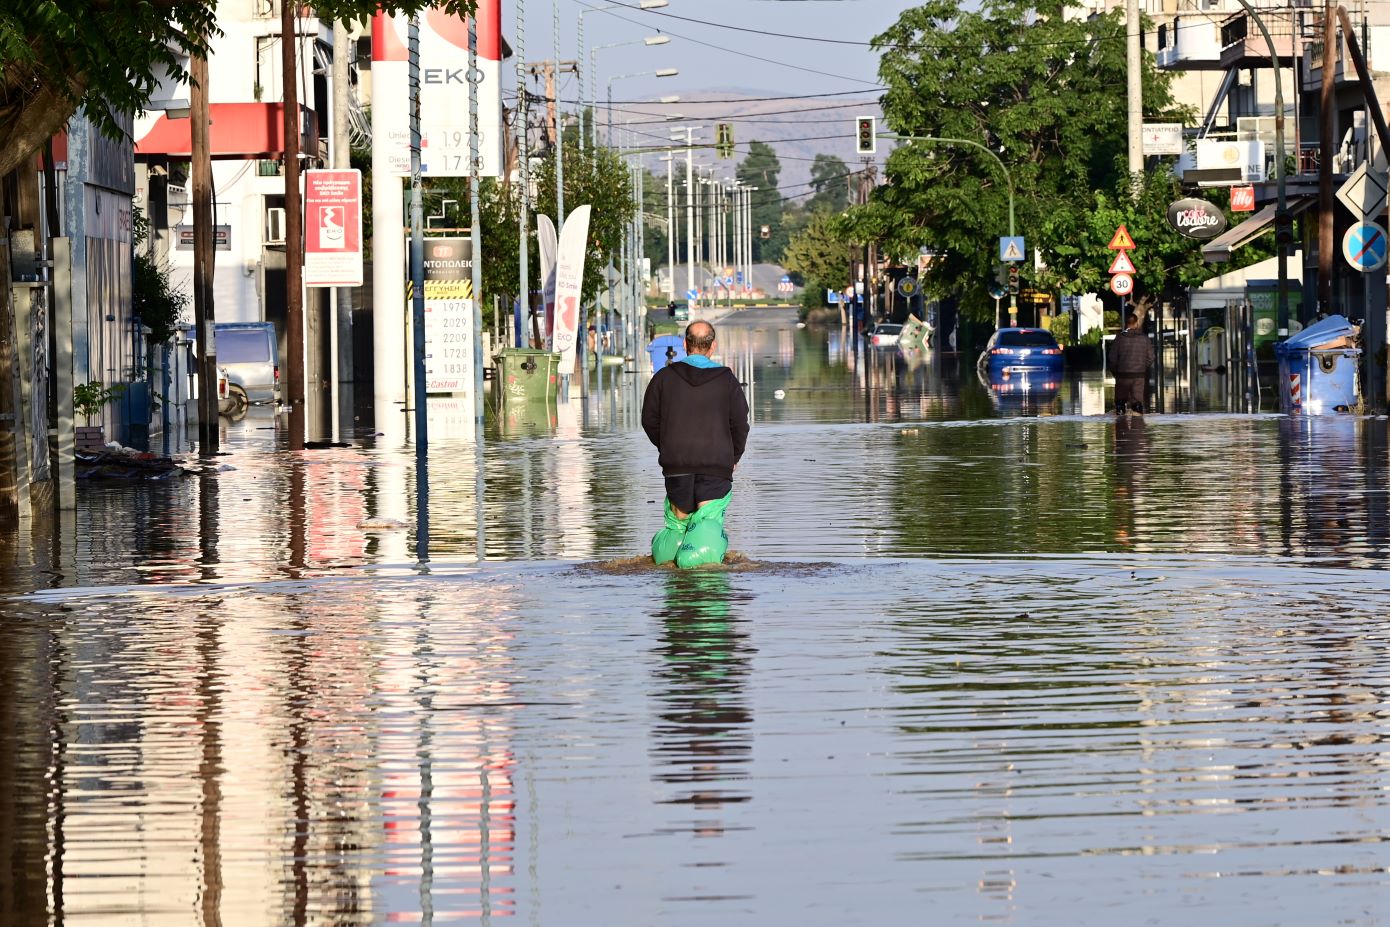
{"x":448,"y":821}
{"x":263,"y":759}
{"x":704,"y":737}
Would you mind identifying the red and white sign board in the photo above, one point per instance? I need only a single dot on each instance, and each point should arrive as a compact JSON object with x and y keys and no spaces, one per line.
{"x":1242,"y":199}
{"x":1122,"y":284}
{"x":333,"y":228}
{"x":1121,"y":241}
{"x":1122,"y":264}
{"x":446,"y":145}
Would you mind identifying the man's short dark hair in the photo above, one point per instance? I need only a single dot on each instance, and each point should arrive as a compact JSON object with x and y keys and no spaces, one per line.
{"x":1132,"y":319}
{"x":699,"y":337}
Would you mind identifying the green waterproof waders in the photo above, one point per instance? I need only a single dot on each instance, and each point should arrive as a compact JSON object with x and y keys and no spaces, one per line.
{"x":667,"y":541}
{"x":698,"y":540}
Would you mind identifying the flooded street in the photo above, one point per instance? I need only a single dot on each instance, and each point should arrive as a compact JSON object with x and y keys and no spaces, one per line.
{"x":989,"y":654}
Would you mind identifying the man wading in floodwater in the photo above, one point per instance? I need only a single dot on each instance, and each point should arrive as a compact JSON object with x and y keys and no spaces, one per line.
{"x":696,"y":415}
{"x":1131,"y":358}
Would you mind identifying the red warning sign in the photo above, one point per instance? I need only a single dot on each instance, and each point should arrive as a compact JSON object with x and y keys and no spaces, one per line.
{"x":1121,"y":241}
{"x":1122,"y":264}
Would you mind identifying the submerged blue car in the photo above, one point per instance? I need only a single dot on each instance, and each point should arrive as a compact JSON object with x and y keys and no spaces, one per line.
{"x":1016,"y":350}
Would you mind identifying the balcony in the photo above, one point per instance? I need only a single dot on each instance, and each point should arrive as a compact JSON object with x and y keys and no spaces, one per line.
{"x":1189,"y":44}
{"x":1244,"y":46}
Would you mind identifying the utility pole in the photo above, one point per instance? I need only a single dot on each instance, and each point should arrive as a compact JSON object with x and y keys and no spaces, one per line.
{"x":294,"y":235}
{"x":203,"y":255}
{"x":1134,"y":62}
{"x":340,"y":325}
{"x":1327,"y":127}
{"x":670,"y":229}
{"x":523,"y":168}
{"x":689,"y":208}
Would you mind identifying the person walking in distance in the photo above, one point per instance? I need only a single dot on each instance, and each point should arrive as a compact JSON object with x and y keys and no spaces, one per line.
{"x":695,"y":412}
{"x":1131,"y":357}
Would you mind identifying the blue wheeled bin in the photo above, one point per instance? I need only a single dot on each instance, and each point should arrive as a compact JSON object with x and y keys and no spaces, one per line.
{"x":1319,"y":369}
{"x":666,"y":349}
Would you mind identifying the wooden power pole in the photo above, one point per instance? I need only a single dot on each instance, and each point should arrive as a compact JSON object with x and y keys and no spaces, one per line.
{"x":294,"y":235}
{"x":204,"y":254}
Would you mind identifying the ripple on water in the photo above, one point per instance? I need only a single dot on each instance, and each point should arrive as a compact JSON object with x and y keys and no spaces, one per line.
{"x":1103,"y":739}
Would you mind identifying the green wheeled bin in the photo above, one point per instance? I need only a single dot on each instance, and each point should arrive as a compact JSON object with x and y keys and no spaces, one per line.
{"x":527,"y":375}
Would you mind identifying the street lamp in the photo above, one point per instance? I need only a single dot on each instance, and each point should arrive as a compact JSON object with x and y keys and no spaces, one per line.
{"x":593,"y":60}
{"x":644,"y":5}
{"x":660,"y":72}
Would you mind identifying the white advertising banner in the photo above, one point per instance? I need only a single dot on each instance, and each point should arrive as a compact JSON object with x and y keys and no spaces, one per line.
{"x":444,"y":119}
{"x":549,"y":244}
{"x":569,"y":284}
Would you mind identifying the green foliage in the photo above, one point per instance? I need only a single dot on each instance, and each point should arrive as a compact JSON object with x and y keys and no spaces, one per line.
{"x":830,"y":180}
{"x":820,"y":258}
{"x":1092,"y":337}
{"x":760,"y":168}
{"x":1035,"y":87}
{"x":154,"y":300}
{"x":90,"y":398}
{"x":1060,"y":326}
{"x":1076,"y":241}
{"x":654,"y":237}
{"x":498,"y":210}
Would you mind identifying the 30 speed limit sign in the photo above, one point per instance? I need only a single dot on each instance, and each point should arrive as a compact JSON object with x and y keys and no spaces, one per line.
{"x":1122,"y":284}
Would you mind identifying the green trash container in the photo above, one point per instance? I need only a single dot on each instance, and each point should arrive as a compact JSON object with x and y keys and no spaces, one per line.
{"x":527,"y":375}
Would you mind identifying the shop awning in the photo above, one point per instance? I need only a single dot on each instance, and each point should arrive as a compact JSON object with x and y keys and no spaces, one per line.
{"x":1219,"y":249}
{"x":239,"y":131}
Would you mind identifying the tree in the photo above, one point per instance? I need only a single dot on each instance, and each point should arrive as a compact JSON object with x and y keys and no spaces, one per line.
{"x":598,"y":177}
{"x":829,"y":178}
{"x":655,"y":235}
{"x":1034,"y":87}
{"x":108,"y":56}
{"x":760,"y":168}
{"x":820,"y":257}
{"x":1076,"y":241}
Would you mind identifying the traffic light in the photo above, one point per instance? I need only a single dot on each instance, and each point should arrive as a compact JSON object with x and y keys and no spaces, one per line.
{"x":1283,"y":229}
{"x":724,"y":140}
{"x":1013,"y":279}
{"x":866,"y":134}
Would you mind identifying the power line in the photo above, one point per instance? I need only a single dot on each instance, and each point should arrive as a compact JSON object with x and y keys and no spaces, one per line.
{"x":860,"y":43}
{"x":732,"y":51}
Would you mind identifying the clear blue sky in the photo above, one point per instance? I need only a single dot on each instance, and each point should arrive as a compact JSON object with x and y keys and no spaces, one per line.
{"x":730,"y":59}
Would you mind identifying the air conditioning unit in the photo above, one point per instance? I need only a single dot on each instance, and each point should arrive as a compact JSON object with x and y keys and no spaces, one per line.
{"x":275,"y":226}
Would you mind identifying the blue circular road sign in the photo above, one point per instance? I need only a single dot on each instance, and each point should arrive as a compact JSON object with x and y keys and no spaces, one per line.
{"x":1365,"y":246}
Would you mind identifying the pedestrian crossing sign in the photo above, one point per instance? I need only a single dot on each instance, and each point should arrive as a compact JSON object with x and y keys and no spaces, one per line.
{"x":1122,"y":241}
{"x":1011,"y":248}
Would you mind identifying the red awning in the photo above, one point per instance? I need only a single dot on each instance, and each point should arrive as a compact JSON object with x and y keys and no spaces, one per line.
{"x":239,"y":131}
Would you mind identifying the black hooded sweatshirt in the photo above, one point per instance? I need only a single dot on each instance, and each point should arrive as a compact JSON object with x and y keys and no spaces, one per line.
{"x":697,"y":418}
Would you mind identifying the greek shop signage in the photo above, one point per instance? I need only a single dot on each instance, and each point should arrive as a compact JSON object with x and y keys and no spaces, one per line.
{"x":1197,"y":219}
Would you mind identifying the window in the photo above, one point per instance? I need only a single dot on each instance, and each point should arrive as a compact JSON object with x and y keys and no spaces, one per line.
{"x":1028,"y":338}
{"x":242,"y":347}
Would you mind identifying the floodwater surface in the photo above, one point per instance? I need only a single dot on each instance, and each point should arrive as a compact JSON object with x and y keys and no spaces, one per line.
{"x":976,"y":661}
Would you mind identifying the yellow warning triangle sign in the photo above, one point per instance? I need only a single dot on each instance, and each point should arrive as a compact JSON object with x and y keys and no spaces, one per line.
{"x":1121,"y":241}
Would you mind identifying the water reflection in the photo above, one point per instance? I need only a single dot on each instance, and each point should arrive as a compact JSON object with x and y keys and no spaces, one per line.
{"x":705,"y":738}
{"x":1068,"y":663}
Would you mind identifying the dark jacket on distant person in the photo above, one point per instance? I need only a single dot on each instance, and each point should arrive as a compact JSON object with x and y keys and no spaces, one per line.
{"x":697,"y":418}
{"x":1131,"y":354}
